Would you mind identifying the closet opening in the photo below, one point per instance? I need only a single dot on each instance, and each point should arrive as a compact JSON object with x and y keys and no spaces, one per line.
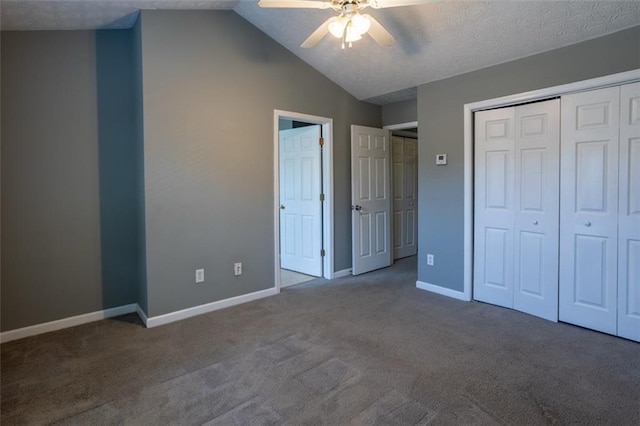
{"x":592,"y":178}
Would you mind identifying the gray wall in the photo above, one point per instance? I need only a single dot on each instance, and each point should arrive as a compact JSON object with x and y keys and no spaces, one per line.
{"x":127,"y":157}
{"x":400,"y":112}
{"x":210,"y":84}
{"x":440,"y":116}
{"x":50,"y":207}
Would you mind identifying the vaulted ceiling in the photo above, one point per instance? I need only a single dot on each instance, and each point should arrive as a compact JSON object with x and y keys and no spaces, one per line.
{"x":433,"y":41}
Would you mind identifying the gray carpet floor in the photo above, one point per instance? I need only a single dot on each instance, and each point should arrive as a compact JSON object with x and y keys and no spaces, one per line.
{"x":361,"y":350}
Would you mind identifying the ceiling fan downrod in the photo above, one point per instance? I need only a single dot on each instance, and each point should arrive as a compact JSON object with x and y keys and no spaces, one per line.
{"x":350,"y":26}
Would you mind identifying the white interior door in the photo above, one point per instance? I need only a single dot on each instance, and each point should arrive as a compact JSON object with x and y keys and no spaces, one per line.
{"x":516,"y":207}
{"x":494,"y":206}
{"x":589,"y":209}
{"x":537,"y":196}
{"x":300,"y":204}
{"x":371,"y":200}
{"x":629,"y":214}
{"x":405,"y":196}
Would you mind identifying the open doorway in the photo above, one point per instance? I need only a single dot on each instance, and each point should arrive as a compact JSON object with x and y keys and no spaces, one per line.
{"x":303,"y":218}
{"x":404,"y":176}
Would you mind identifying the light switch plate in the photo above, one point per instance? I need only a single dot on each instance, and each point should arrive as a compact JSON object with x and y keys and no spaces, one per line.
{"x":441,"y":159}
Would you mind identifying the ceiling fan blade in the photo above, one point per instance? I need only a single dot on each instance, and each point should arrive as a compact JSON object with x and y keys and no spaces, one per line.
{"x":379,"y":33}
{"x":381,"y":4}
{"x":317,"y":35}
{"x":302,"y":4}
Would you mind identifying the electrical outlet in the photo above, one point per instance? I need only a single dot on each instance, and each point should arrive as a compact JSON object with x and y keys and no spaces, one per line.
{"x":199,"y":275}
{"x":237,"y":269}
{"x":430,"y":259}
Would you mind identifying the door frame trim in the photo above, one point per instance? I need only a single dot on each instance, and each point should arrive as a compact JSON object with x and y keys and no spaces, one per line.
{"x":403,"y":126}
{"x":534,"y":95}
{"x":327,"y":185}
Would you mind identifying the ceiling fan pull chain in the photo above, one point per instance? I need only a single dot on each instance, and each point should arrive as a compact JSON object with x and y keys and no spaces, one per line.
{"x":344,"y":35}
{"x":349,"y":26}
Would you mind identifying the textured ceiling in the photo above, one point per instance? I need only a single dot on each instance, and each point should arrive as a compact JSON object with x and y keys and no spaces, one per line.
{"x":439,"y":40}
{"x":434,"y":40}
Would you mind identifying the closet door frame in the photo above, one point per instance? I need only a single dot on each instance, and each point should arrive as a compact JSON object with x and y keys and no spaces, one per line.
{"x":469,"y":109}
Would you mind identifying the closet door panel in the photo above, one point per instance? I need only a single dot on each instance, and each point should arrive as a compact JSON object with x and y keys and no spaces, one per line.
{"x":537,"y":166}
{"x":494,"y":206}
{"x":405,"y":197}
{"x":629,"y":214}
{"x":589,"y":209}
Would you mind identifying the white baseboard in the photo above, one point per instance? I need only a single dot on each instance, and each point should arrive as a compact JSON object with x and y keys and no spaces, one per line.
{"x":141,"y":314}
{"x":342,"y":274}
{"x":203,"y":309}
{"x":33,"y":330}
{"x":442,"y":290}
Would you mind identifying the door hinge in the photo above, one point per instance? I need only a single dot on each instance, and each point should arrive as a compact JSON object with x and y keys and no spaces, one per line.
{"x":322,"y":253}
{"x":321,"y":197}
{"x":321,"y":141}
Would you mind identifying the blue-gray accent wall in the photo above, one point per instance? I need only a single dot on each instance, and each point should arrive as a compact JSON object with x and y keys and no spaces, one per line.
{"x":139,"y":178}
{"x":51,"y":246}
{"x":118,"y":163}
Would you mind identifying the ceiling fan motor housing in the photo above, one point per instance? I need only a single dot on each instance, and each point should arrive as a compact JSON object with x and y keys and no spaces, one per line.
{"x":351,"y":24}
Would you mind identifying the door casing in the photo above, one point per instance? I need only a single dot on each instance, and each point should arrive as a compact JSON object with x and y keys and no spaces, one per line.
{"x":405,"y":126}
{"x":327,"y":185}
{"x":300,"y":215}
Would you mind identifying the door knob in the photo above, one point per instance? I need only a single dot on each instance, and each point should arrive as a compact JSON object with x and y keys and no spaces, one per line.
{"x":535,"y":222}
{"x":281,"y":206}
{"x":356,"y":208}
{"x":587,"y":223}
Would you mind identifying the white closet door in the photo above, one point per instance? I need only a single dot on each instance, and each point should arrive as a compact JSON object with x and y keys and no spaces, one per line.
{"x":537,"y":187}
{"x":516,"y":207}
{"x":405,"y":197}
{"x":629,"y":214}
{"x":589,"y":209}
{"x":494,"y":206}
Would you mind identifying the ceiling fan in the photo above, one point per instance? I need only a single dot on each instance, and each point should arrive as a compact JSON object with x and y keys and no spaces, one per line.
{"x":351,"y":24}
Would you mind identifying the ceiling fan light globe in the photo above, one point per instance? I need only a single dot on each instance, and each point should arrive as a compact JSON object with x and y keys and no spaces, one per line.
{"x":336,"y":26}
{"x":352,"y":35}
{"x":360,"y":24}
